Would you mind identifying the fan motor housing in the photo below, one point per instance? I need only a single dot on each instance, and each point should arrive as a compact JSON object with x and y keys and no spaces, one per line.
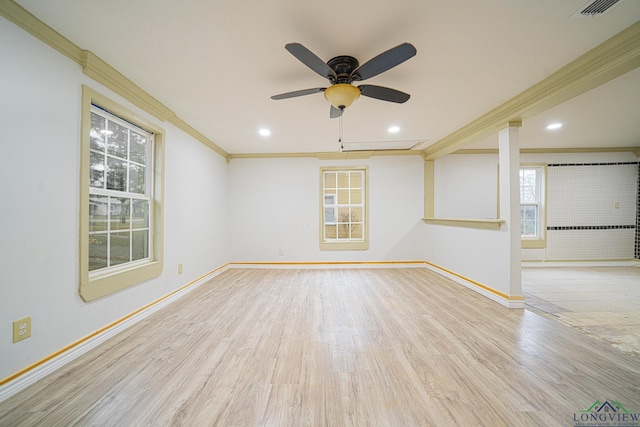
{"x":343,"y":66}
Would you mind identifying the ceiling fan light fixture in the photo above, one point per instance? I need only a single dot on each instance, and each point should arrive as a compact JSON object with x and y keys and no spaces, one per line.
{"x":342,"y":95}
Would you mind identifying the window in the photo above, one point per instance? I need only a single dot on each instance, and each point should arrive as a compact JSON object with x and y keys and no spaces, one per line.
{"x":344,"y":209}
{"x":532,"y":202}
{"x":121,"y":215}
{"x":120,"y":190}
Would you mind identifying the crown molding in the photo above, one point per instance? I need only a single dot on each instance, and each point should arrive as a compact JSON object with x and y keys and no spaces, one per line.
{"x":478,"y":151}
{"x":344,"y":155}
{"x":270,"y":155}
{"x":108,"y":76}
{"x":328,"y":155}
{"x":409,"y":152}
{"x":99,"y":70}
{"x":635,"y":150}
{"x":178,"y":122}
{"x":28,"y":22}
{"x":612,"y":58}
{"x":366,"y":154}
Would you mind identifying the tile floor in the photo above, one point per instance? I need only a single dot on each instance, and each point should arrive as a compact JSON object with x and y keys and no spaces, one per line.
{"x":603,"y":302}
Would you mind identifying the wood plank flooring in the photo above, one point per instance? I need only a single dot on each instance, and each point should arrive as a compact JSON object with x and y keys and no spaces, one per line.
{"x":352,"y":347}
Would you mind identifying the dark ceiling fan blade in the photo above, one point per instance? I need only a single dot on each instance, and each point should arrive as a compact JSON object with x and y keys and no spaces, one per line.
{"x":384,"y":61}
{"x":309,"y":59}
{"x":299,"y":93}
{"x":334,"y":113}
{"x":384,"y":93}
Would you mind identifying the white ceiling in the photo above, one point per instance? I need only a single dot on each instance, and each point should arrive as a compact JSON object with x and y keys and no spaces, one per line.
{"x":216,"y":63}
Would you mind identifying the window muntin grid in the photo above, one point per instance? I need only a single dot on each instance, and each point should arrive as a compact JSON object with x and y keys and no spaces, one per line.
{"x":530,"y":202}
{"x":120,"y":192}
{"x":343,"y":206}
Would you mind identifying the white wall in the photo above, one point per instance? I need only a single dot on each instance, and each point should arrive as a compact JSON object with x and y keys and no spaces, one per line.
{"x":476,"y":254}
{"x":40,"y":103}
{"x":275,"y":204}
{"x":466,"y":186}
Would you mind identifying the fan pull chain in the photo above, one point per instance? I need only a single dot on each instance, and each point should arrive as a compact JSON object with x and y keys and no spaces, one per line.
{"x":340,"y":132}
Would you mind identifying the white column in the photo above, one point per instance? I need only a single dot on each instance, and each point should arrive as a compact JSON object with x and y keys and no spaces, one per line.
{"x":429,"y":176}
{"x":509,"y":157}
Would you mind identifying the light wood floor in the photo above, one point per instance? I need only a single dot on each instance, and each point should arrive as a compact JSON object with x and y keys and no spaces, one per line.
{"x":379,"y":347}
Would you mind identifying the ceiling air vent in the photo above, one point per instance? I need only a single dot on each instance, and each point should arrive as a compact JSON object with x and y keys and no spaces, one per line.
{"x":596,"y":7}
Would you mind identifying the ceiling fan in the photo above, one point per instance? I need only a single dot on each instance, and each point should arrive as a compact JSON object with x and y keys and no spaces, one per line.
{"x":342,"y":71}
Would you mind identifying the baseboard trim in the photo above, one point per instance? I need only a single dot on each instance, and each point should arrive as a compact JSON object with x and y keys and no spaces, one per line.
{"x":309,"y":265}
{"x":484,"y":290}
{"x":36,"y":371}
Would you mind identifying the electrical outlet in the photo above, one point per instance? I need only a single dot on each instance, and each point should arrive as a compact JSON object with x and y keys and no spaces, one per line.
{"x":179,"y":268}
{"x":281,"y":252}
{"x":616,"y":205}
{"x":21,"y":329}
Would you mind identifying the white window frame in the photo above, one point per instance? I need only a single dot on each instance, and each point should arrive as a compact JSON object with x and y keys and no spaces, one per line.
{"x":539,"y":240}
{"x":112,"y":194}
{"x":344,"y":243}
{"x":104,"y":281}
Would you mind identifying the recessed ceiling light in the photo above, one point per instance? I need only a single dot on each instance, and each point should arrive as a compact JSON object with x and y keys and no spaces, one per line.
{"x":553,"y":126}
{"x":394,"y":129}
{"x":264,"y":132}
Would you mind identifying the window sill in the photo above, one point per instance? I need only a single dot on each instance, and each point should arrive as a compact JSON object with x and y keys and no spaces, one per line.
{"x":533,"y":244}
{"x":109,"y":283}
{"x":492,"y":224}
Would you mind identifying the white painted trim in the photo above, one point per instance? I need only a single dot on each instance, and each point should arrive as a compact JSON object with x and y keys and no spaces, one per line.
{"x":493,"y":224}
{"x":502,"y":301}
{"x":30,"y":377}
{"x":327,"y":265}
